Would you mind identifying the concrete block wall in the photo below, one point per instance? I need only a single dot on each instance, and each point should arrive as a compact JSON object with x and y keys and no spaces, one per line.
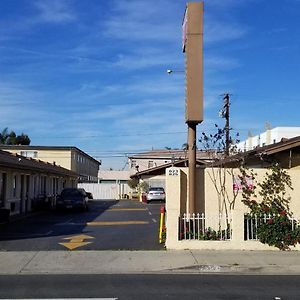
{"x":176,"y":205}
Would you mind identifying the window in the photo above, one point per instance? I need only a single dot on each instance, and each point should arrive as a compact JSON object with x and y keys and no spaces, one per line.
{"x":32,"y":154}
{"x":107,"y":181}
{"x":150,"y":164}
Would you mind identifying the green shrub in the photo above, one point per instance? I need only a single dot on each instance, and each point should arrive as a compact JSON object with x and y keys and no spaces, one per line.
{"x":278,"y":229}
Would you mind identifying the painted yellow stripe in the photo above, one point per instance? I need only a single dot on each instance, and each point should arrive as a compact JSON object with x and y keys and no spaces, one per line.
{"x":127,"y":209}
{"x":74,"y":245}
{"x":78,"y":237}
{"x":95,"y":223}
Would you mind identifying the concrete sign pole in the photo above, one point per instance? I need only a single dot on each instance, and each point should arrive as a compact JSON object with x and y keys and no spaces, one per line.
{"x":192,"y":29}
{"x":192,"y":166}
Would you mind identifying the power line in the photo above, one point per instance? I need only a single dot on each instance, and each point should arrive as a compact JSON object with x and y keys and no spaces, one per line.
{"x":117,"y":135}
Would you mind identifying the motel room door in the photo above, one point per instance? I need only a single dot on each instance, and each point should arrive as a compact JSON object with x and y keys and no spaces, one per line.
{"x":2,"y":189}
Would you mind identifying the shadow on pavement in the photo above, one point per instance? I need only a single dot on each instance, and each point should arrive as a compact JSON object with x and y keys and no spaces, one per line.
{"x":51,"y":223}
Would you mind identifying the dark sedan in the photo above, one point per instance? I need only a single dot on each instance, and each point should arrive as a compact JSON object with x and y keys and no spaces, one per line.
{"x":72,"y":198}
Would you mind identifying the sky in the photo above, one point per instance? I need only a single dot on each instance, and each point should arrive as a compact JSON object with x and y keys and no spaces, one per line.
{"x":92,"y":74}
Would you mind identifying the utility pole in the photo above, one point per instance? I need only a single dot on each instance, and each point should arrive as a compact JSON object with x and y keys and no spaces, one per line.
{"x":225,"y":115}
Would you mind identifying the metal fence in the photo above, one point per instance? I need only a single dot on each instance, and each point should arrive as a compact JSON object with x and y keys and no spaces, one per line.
{"x":252,"y":223}
{"x":201,"y":227}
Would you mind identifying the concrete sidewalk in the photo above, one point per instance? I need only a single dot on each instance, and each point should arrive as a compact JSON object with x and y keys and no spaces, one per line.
{"x":129,"y":262}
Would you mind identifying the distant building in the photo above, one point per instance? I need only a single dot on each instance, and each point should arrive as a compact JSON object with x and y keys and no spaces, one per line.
{"x":156,"y":177}
{"x":270,"y":136}
{"x":155,"y":158}
{"x":70,"y":158}
{"x":26,"y":183}
{"x":111,"y":185}
{"x":111,"y":176}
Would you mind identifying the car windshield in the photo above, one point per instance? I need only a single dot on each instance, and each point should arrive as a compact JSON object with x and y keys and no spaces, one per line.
{"x":71,"y":192}
{"x":156,"y":189}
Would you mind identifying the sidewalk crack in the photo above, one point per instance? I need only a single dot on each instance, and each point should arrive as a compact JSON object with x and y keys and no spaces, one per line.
{"x":32,"y":258}
{"x":194,"y":257}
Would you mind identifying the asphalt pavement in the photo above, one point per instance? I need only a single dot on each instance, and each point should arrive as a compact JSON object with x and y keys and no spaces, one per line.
{"x":108,"y":225}
{"x":149,"y":286}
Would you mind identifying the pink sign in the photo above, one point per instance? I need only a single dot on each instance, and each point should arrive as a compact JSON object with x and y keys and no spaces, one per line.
{"x":237,"y":185}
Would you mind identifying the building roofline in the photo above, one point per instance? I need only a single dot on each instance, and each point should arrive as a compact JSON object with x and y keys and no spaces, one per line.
{"x":283,"y":145}
{"x":20,"y":162}
{"x":168,"y":165}
{"x":163,"y":154}
{"x":29,"y":147}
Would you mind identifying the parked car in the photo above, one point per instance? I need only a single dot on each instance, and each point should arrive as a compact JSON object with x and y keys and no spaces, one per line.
{"x":156,"y":193}
{"x":89,"y":194}
{"x":72,"y":198}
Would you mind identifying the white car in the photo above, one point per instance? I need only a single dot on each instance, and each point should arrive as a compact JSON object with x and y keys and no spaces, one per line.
{"x":156,"y":193}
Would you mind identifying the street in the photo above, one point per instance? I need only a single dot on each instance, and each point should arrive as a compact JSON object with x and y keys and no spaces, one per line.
{"x":107,"y":225}
{"x":153,"y":286}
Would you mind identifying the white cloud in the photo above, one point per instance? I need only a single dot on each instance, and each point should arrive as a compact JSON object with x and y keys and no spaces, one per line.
{"x":225,"y":4}
{"x":54,"y":11}
{"x":220,"y":31}
{"x":145,"y":59}
{"x":137,"y":20}
{"x":45,"y":11}
{"x":217,"y":63}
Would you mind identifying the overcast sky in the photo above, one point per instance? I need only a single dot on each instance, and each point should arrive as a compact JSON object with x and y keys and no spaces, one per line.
{"x":92,"y":73}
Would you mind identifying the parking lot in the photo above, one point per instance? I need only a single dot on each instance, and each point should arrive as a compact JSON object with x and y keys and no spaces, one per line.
{"x":107,"y":225}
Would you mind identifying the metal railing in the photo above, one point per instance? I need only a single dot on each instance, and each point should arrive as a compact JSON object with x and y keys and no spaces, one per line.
{"x":201,"y":227}
{"x":252,"y":223}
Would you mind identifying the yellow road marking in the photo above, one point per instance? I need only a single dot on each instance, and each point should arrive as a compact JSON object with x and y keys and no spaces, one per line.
{"x":95,"y":223}
{"x":81,"y":237}
{"x":71,"y":245}
{"x":76,"y":241}
{"x":126,"y":209}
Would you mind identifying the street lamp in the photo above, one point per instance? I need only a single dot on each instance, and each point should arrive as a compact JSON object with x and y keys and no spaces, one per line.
{"x":174,"y":71}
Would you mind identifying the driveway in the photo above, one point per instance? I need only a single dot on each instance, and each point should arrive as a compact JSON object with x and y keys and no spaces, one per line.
{"x":108,"y":225}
